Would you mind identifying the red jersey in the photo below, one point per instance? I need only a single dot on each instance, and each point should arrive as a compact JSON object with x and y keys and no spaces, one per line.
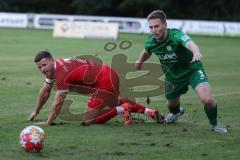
{"x":84,"y":76}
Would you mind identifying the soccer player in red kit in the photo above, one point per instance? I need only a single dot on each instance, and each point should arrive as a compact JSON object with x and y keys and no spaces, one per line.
{"x":85,"y":75}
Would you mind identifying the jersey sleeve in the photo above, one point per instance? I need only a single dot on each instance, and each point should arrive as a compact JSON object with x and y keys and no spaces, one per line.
{"x":182,"y":38}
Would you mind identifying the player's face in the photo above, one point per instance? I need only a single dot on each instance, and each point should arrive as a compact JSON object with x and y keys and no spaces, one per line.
{"x":158,"y":29}
{"x":46,"y":67}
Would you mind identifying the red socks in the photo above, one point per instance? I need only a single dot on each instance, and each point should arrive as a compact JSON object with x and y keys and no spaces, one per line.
{"x":137,"y":108}
{"x":105,"y":117}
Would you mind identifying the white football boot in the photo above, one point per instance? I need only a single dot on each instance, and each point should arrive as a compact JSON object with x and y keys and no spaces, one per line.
{"x":170,"y":118}
{"x":218,"y":128}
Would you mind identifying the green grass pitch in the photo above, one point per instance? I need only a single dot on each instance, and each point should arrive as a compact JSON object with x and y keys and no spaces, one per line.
{"x":189,"y":138}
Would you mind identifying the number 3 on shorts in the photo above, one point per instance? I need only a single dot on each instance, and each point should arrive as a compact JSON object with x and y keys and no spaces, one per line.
{"x":201,"y":74}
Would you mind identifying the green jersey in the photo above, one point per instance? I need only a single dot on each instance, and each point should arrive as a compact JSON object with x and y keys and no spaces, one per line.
{"x":174,"y":57}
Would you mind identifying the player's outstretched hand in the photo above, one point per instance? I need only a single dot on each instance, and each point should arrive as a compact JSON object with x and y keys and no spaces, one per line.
{"x":138,"y":65}
{"x":197,"y":57}
{"x":32,"y":116}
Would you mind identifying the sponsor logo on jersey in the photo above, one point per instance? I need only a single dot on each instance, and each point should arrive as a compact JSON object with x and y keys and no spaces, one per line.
{"x":170,"y":57}
{"x":169,"y":48}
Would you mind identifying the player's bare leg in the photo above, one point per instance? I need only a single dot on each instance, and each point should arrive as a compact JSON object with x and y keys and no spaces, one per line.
{"x":204,"y":92}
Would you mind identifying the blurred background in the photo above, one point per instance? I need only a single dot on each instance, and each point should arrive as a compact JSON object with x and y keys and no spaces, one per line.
{"x":224,"y":10}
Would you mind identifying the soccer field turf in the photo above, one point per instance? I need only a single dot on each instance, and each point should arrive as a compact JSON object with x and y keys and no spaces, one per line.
{"x":189,"y":138}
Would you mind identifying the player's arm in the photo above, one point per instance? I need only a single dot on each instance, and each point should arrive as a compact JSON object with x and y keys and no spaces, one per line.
{"x":44,"y":94}
{"x":190,"y":45}
{"x":56,"y":107}
{"x":144,"y":55}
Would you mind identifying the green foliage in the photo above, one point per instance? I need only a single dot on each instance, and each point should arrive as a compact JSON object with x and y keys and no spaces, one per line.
{"x":227,"y":10}
{"x":128,"y":7}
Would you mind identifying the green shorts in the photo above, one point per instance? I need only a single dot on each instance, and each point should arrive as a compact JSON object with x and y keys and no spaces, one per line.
{"x":173,"y":90}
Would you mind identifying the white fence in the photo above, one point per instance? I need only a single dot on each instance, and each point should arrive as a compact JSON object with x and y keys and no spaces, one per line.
{"x":13,"y":20}
{"x":73,"y":29}
{"x":129,"y":25}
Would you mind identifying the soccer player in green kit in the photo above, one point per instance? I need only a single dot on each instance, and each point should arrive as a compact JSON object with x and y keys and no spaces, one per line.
{"x":180,"y":59}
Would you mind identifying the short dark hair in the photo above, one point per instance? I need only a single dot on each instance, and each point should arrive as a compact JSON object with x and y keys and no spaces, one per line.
{"x":157,"y":14}
{"x":41,"y":55}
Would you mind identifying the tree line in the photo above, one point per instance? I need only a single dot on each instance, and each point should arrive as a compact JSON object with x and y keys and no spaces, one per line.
{"x":223,"y":10}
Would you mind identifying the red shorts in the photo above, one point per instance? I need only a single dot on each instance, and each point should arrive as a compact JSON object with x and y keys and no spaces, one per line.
{"x":107,"y":89}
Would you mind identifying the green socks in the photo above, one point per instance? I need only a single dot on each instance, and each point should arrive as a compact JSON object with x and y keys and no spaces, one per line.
{"x":175,"y":110}
{"x":211,"y":113}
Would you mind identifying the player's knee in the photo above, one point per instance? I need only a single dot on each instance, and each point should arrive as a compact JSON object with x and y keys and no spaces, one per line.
{"x":172,"y":103}
{"x":85,"y":122}
{"x":208,"y":101}
{"x":168,"y":104}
